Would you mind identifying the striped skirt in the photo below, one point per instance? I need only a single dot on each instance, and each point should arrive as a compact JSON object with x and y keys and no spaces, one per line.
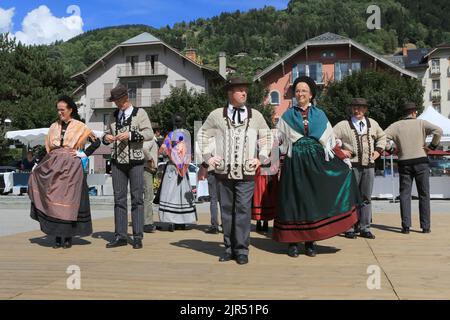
{"x":176,"y":202}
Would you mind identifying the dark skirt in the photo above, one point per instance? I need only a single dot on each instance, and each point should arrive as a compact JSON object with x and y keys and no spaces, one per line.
{"x":317,"y":198}
{"x":61,"y":228}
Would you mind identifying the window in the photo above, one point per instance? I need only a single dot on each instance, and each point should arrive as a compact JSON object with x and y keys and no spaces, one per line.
{"x":275,"y":97}
{"x":132,"y":90}
{"x":436,"y":85}
{"x":328,"y":54}
{"x":342,"y":69}
{"x":435,"y":63}
{"x":151,"y":63}
{"x":132,"y":64}
{"x":435,"y":67}
{"x":313,"y":70}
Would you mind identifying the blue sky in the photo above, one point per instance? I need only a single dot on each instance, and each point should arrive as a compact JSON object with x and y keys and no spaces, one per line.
{"x":157,"y":13}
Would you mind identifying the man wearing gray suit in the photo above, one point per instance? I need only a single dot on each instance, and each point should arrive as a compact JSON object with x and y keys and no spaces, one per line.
{"x":128,"y":129}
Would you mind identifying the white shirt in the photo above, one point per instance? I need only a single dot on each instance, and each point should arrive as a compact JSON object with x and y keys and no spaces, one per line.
{"x":244,"y":114}
{"x":361,"y":129}
{"x":128,"y":111}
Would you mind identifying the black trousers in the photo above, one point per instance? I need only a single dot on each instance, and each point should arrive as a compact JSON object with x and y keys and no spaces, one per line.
{"x":121,"y":175}
{"x":420,"y":173}
{"x":235,"y":209}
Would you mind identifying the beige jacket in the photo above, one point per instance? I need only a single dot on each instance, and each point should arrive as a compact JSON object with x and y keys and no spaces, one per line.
{"x":361,"y":146}
{"x":130,"y":151}
{"x":409,"y":135}
{"x":235,"y":144}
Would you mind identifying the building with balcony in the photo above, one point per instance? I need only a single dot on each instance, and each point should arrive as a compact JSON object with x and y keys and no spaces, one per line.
{"x":149,"y":68}
{"x":328,"y":57}
{"x":436,"y":79}
{"x":432,"y":67}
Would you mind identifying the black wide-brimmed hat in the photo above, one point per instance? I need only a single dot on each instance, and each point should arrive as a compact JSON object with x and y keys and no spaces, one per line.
{"x":309,"y":81}
{"x":359,"y":102}
{"x":118,"y":92}
{"x":409,"y":107}
{"x":236,"y":81}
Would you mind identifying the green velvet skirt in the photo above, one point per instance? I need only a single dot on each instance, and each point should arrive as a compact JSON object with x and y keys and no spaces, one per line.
{"x":317,"y":198}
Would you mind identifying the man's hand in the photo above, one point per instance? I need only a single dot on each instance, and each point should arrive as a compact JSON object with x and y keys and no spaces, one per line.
{"x":254,"y":163}
{"x":427,"y":150}
{"x":214,"y":161}
{"x":110,"y":138}
{"x":123,"y":136}
{"x":375,"y":155}
{"x":347,"y":153}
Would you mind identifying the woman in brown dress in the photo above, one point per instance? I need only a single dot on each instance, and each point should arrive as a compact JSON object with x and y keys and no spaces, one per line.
{"x":57,"y":187}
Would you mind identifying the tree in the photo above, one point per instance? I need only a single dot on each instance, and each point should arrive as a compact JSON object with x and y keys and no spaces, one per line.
{"x":32,"y":77}
{"x":386,"y":94}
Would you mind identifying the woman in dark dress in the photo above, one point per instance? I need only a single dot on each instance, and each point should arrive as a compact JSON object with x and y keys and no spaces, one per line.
{"x":318,"y":194}
{"x":57,"y":187}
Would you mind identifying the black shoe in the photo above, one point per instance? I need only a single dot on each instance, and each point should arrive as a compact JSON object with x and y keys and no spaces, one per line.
{"x":149,"y":228}
{"x":171,"y":227}
{"x":426,"y":231}
{"x":242,"y":259}
{"x":118,"y":242}
{"x":265,"y":226}
{"x":367,"y":234}
{"x":67,"y":243}
{"x":181,"y":226}
{"x":405,"y":230}
{"x":293,"y":251}
{"x":310,"y":249}
{"x":58,"y":243}
{"x":212,"y":230}
{"x":350,"y":235}
{"x":357,"y":230}
{"x":226,"y":257}
{"x":137,"y":244}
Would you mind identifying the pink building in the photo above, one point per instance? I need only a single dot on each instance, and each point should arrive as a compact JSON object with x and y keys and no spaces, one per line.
{"x":328,"y":57}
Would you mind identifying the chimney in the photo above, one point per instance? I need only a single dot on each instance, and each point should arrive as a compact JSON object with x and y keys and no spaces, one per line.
{"x":191,"y":54}
{"x":223,"y":64}
{"x":405,"y":51}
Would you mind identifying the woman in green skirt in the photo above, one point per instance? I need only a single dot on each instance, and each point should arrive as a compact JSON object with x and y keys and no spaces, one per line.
{"x":318,"y":194}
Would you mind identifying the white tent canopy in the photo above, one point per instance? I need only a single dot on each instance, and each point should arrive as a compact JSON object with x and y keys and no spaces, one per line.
{"x":34,"y":137}
{"x":431,"y":115}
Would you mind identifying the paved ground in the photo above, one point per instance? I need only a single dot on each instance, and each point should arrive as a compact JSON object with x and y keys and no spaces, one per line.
{"x":183,"y":264}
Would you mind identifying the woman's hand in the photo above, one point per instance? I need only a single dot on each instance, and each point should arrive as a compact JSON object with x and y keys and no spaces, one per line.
{"x":78,"y":154}
{"x":347,"y":153}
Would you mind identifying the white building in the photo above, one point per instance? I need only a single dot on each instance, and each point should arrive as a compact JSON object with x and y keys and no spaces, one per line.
{"x":149,"y":68}
{"x":433,"y":69}
{"x":436,"y":79}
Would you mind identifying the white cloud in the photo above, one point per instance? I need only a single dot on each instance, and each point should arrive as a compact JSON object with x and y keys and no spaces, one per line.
{"x":6,"y":23}
{"x":40,"y":26}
